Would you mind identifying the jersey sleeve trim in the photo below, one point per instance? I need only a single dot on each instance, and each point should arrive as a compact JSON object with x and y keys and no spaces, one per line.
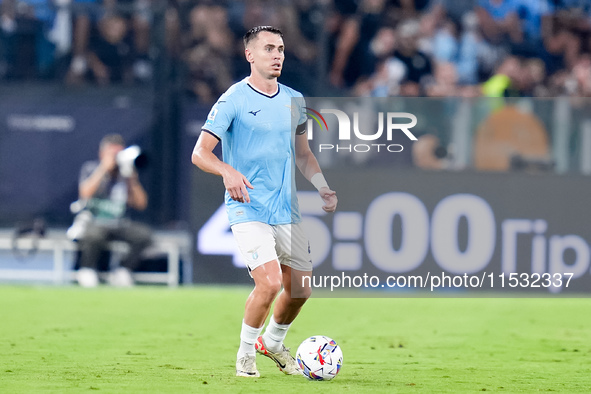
{"x":212,"y":133}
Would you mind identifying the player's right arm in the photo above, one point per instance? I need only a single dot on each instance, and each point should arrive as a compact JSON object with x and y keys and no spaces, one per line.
{"x":203,"y":157}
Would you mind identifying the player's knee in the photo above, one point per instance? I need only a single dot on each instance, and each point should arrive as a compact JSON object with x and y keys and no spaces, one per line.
{"x":300,"y":293}
{"x":274,"y":287}
{"x":269,"y":289}
{"x":306,"y":292}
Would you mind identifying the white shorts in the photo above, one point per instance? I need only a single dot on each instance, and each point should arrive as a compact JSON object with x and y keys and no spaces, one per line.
{"x":260,"y":243}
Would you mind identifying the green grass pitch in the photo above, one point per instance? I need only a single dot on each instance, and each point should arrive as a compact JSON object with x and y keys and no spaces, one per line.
{"x":160,"y":340}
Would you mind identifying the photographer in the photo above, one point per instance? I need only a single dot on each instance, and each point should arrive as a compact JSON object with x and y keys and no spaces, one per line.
{"x":108,"y":188}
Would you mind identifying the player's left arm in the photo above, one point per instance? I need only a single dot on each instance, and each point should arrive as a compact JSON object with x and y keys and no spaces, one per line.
{"x":308,"y":165}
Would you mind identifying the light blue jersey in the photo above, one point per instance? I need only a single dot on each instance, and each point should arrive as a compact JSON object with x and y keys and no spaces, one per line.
{"x":257,"y":132}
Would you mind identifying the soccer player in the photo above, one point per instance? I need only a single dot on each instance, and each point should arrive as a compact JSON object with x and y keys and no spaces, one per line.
{"x":253,"y":120}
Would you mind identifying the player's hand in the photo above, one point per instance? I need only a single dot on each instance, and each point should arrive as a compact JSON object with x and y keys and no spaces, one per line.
{"x":330,"y":199}
{"x":236,"y":185}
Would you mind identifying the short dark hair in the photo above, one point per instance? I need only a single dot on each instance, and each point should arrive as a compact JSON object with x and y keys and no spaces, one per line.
{"x":252,"y":33}
{"x":111,"y":139}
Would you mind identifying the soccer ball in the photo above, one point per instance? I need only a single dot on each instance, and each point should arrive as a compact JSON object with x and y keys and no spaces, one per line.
{"x":320,"y":358}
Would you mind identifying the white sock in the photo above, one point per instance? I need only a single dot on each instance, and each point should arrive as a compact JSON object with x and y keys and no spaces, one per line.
{"x":274,"y":335}
{"x":248,"y":337}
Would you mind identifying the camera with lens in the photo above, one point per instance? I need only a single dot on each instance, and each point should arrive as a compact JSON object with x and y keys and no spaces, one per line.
{"x":129,"y":159}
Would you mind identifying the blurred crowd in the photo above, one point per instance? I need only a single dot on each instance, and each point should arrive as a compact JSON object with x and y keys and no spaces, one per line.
{"x":379,"y":48}
{"x":469,"y":48}
{"x":105,"y":42}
